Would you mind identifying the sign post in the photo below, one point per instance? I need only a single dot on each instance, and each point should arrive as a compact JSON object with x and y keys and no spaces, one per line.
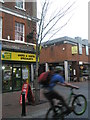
{"x":26,"y":88}
{"x":23,"y":104}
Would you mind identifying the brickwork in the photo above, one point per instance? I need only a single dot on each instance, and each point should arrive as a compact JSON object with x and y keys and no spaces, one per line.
{"x":89,"y":56}
{"x":9,"y":20}
{"x":61,"y":52}
{"x":28,"y":7}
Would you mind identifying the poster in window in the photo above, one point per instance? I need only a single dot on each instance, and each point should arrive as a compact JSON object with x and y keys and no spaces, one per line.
{"x":25,"y":73}
{"x":7,"y":75}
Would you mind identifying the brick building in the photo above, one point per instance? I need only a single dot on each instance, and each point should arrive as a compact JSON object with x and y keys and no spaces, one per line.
{"x":17,"y":33}
{"x":71,"y":54}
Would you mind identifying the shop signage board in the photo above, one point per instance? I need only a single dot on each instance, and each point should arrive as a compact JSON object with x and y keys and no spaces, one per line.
{"x":24,"y":89}
{"x":27,"y":89}
{"x":17,"y":56}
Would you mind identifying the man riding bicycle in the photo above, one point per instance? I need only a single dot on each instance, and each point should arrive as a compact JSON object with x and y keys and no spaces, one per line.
{"x":51,"y":94}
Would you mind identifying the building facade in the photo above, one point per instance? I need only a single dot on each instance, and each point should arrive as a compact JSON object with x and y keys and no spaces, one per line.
{"x":17,"y":33}
{"x":71,"y":54}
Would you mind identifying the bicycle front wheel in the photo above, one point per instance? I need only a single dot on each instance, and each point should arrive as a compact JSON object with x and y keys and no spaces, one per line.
{"x":80,"y":104}
{"x":54,"y":115}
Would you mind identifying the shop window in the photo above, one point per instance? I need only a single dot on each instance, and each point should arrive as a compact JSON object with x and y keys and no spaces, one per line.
{"x":19,"y":31}
{"x":7,"y":77}
{"x":16,"y":78}
{"x":16,"y":65}
{"x":80,"y":49}
{"x":25,"y":74}
{"x":87,"y":52}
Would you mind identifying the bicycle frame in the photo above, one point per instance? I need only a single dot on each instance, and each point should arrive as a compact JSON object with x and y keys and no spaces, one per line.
{"x":73,"y":100}
{"x":71,"y":95}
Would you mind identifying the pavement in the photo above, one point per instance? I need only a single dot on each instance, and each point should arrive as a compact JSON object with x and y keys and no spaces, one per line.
{"x":11,"y":107}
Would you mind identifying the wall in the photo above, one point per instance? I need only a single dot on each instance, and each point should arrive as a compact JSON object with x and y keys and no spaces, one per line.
{"x":56,"y":54}
{"x":28,"y":7}
{"x":9,"y":20}
{"x":89,"y":55}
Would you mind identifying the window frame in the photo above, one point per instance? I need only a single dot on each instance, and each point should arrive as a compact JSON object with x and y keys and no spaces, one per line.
{"x":18,"y":7}
{"x":2,"y":1}
{"x":20,"y":26}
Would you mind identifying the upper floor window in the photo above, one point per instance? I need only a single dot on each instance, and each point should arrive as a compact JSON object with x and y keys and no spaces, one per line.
{"x":19,"y":31}
{"x":2,"y":1}
{"x":0,"y":27}
{"x":87,"y":52}
{"x":20,"y":4}
{"x":80,"y":48}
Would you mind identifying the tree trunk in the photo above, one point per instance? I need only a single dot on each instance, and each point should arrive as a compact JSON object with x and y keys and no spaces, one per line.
{"x":36,"y":85}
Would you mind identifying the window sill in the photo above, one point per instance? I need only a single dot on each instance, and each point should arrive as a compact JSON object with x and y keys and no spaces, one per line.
{"x":18,"y":41}
{"x":20,"y":8}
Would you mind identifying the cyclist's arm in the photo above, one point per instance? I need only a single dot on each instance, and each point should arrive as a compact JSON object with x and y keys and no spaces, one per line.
{"x":60,"y":80}
{"x":68,"y":85}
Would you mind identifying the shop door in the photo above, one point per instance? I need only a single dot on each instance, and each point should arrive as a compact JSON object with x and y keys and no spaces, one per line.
{"x":16,"y":78}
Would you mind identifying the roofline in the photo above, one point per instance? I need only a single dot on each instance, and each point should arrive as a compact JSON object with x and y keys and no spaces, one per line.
{"x":76,"y":40}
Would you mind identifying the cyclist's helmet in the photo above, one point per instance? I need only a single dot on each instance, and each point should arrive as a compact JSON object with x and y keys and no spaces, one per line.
{"x":58,"y":69}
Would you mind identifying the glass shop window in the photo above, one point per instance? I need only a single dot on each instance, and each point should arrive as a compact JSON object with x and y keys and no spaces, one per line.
{"x":7,"y":77}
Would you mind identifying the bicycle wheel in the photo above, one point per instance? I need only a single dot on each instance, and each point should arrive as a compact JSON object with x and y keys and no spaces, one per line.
{"x":55,"y":116}
{"x":80,"y":104}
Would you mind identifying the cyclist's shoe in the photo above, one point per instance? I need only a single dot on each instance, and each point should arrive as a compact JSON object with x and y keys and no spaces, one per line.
{"x":68,"y":111}
{"x":55,"y":115}
{"x":71,"y":108}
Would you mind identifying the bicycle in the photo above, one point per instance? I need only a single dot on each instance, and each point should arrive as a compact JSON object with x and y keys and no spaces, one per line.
{"x":78,"y":101}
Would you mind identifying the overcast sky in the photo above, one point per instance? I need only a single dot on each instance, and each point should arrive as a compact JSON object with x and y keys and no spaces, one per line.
{"x":78,"y":24}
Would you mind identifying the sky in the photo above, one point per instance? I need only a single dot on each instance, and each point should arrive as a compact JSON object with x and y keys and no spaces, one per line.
{"x":78,"y":24}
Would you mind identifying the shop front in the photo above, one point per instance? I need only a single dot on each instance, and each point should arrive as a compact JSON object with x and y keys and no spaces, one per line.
{"x":17,"y":67}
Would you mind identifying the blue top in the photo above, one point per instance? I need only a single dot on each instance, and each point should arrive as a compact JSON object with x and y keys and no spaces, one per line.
{"x":54,"y":79}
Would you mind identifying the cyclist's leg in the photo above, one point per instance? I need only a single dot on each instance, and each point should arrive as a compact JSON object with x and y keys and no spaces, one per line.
{"x":60,"y":97}
{"x":50,"y":97}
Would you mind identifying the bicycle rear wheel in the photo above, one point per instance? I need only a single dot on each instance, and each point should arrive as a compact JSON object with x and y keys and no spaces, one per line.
{"x":55,"y":116}
{"x":80,"y":104}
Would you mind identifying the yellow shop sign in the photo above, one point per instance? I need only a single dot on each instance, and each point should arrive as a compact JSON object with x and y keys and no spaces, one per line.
{"x":17,"y":56}
{"x":74,"y":49}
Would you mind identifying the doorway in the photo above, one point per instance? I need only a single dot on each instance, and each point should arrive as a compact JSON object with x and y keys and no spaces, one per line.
{"x":17,"y":78}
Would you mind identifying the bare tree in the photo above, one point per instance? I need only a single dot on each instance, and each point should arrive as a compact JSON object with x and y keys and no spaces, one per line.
{"x":47,"y":26}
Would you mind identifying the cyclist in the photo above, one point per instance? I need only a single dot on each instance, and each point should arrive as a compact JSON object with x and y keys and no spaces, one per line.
{"x":49,"y":91}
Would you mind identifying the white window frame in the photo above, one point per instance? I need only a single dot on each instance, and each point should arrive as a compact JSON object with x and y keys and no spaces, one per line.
{"x":1,"y":27}
{"x":2,"y":1}
{"x":19,"y":34}
{"x":18,"y":7}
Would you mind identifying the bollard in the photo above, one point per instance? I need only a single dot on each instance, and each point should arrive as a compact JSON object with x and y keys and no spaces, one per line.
{"x":23,"y":104}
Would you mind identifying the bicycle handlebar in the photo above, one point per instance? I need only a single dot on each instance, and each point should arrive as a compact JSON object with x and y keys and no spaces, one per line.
{"x":74,"y":87}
